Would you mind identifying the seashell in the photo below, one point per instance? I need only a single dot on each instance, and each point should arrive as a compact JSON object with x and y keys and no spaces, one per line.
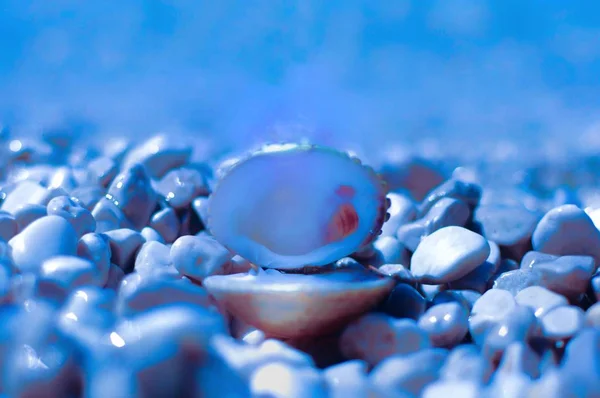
{"x":298,"y":305}
{"x":287,"y":206}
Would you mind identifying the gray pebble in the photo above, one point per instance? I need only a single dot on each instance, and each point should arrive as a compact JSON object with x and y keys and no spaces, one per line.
{"x":567,"y":230}
{"x":562,"y":322}
{"x":166,"y":223}
{"x":491,"y":308}
{"x":124,"y":245}
{"x":446,"y":324}
{"x":404,"y":302}
{"x":448,"y":254}
{"x":539,"y":299}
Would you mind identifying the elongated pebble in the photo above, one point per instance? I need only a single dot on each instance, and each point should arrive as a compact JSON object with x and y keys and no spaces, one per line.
{"x":540,"y":300}
{"x":448,"y":254}
{"x":467,"y":192}
{"x":562,"y":322}
{"x":96,"y":248}
{"x":566,"y":275}
{"x":532,"y":257}
{"x":279,"y":380}
{"x":567,"y":230}
{"x":158,"y":155}
{"x":28,"y":213}
{"x":44,"y":238}
{"x":25,"y":192}
{"x":70,"y":272}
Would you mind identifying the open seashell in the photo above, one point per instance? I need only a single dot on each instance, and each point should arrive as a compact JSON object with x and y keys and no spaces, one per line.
{"x":297,"y":305}
{"x":289,"y":206}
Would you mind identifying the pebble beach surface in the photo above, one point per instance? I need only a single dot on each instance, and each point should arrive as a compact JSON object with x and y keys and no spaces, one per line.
{"x":106,"y":263}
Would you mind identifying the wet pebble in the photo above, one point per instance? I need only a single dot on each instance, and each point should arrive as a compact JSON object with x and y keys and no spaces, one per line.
{"x":562,"y":322}
{"x":446,"y":324}
{"x":47,"y":237}
{"x":166,"y":223}
{"x":80,"y":218}
{"x":158,"y":155}
{"x":567,"y":230}
{"x":540,"y":300}
{"x":199,"y":257}
{"x":180,"y":186}
{"x":491,"y":308}
{"x":448,"y":254}
{"x":478,"y":278}
{"x":466,"y":192}
{"x":151,"y":256}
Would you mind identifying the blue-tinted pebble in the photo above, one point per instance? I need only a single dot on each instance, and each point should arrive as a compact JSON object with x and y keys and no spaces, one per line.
{"x":519,"y":358}
{"x":491,"y":308}
{"x":580,"y":368}
{"x":132,"y":192}
{"x":96,"y":248}
{"x":88,"y":196}
{"x":446,"y":324}
{"x":44,"y":238}
{"x":402,"y":210}
{"x":108,"y":216}
{"x":478,"y":279}
{"x":25,"y":192}
{"x":448,"y":254}
{"x":200,"y":206}
{"x":374,"y":337}
{"x":399,"y":272}
{"x":103,"y":169}
{"x":511,"y":385}
{"x":152,"y":255}
{"x":347,"y":379}
{"x":532,"y":257}
{"x":562,"y":322}
{"x":70,"y":272}
{"x":518,"y":325}
{"x":592,"y":316}
{"x":63,"y":178}
{"x":279,"y":380}
{"x":410,"y":373}
{"x":124,"y":245}
{"x":567,"y":230}
{"x":115,"y":277}
{"x":8,"y":226}
{"x":566,"y":275}
{"x":467,"y":192}
{"x":27,"y":214}
{"x":445,"y":389}
{"x":158,"y":155}
{"x":595,"y":285}
{"x":540,"y":300}
{"x":180,"y":186}
{"x":150,"y":235}
{"x":81,"y":219}
{"x":199,"y":257}
{"x":405,"y":302}
{"x":466,"y":363}
{"x":517,"y":280}
{"x":166,"y":223}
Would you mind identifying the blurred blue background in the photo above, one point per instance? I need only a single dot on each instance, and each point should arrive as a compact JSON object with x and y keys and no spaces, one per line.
{"x":365,"y":72}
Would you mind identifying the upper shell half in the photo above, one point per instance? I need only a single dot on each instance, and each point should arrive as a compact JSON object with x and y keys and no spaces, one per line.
{"x":288,"y":206}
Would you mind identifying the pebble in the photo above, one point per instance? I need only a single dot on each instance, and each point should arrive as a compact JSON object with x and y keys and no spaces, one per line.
{"x":68,"y":273}
{"x":180,"y":186}
{"x":115,"y":277}
{"x":448,"y":254}
{"x":491,"y":308}
{"x":446,"y":324}
{"x":566,"y":275}
{"x":88,"y":196}
{"x":150,"y":235}
{"x":539,"y":299}
{"x":347,"y":379}
{"x":80,"y":218}
{"x":595,"y":286}
{"x":518,"y":325}
{"x":532,"y":257}
{"x":64,"y":179}
{"x":374,"y":337}
{"x":200,"y":206}
{"x":516,"y":280}
{"x":445,"y":389}
{"x":279,"y":380}
{"x":567,"y":230}
{"x":124,"y":245}
{"x":24,"y":193}
{"x":466,"y":298}
{"x":446,"y":212}
{"x":410,"y":373}
{"x":404,"y":302}
{"x":131,"y":191}
{"x":386,"y":250}
{"x":478,"y":279}
{"x":166,"y":223}
{"x":466,"y":192}
{"x":465,"y":362}
{"x":580,"y":367}
{"x":158,"y":155}
{"x":399,"y":272}
{"x":562,"y":322}
{"x":43,"y":239}
{"x":103,"y":169}
{"x":402,"y":210}
{"x":26,"y":214}
{"x":108,"y":216}
{"x":199,"y":257}
{"x":592,"y":316}
{"x":8,"y":226}
{"x":152,"y":255}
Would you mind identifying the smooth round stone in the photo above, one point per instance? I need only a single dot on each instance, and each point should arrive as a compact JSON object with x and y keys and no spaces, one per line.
{"x":566,"y":275}
{"x":567,"y":230}
{"x":478,"y":279}
{"x":347,"y":379}
{"x":158,"y":154}
{"x":150,"y":235}
{"x":70,"y":272}
{"x":466,"y":192}
{"x":388,"y":251}
{"x":81,"y":219}
{"x":491,"y":307}
{"x":25,"y":192}
{"x":410,"y":373}
{"x":151,"y":256}
{"x":166,"y":223}
{"x":279,"y":380}
{"x":448,"y":254}
{"x":446,"y":212}
{"x":180,"y":186}
{"x":540,"y":300}
{"x":466,"y":363}
{"x":532,"y":257}
{"x":518,"y":325}
{"x":404,"y":302}
{"x":402,"y":210}
{"x":199,"y":257}
{"x":96,"y":248}
{"x":108,"y":216}
{"x":446,"y":324}
{"x":374,"y":337}
{"x":510,"y":226}
{"x":88,"y":196}
{"x":562,"y":322}
{"x":592,"y":316}
{"x":8,"y":226}
{"x":445,"y":389}
{"x":103,"y":169}
{"x":132,"y":192}
{"x":47,"y":237}
{"x":124,"y":245}
{"x":26,"y":214}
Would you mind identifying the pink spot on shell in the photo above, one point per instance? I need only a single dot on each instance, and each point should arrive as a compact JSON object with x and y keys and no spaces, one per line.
{"x":345,"y":191}
{"x":343,"y":223}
